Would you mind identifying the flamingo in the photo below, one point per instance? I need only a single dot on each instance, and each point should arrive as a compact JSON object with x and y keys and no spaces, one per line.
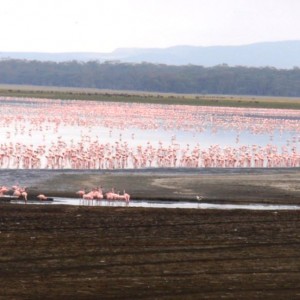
{"x":80,"y":193}
{"x":126,"y":196}
{"x":3,"y":190}
{"x":17,"y":193}
{"x":88,"y":196}
{"x":42,"y":197}
{"x":24,"y":195}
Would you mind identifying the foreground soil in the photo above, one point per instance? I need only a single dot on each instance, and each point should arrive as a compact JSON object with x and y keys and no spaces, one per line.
{"x":70,"y":252}
{"x":67,"y":252}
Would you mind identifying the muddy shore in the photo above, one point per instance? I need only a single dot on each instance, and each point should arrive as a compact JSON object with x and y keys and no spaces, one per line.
{"x":277,"y":186}
{"x":79,"y":252}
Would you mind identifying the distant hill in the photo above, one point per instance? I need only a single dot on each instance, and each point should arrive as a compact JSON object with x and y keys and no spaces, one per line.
{"x":281,"y":55}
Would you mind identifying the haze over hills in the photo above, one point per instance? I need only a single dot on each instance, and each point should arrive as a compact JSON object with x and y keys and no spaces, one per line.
{"x":281,"y":55}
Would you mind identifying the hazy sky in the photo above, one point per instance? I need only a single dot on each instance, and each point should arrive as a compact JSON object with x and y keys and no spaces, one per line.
{"x":104,"y":25}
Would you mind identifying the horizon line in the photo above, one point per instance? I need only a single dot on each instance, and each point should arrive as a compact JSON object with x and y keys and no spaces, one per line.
{"x":148,"y":48}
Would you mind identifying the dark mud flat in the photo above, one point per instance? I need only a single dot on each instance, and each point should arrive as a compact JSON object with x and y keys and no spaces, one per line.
{"x":67,"y":252}
{"x":274,"y":186}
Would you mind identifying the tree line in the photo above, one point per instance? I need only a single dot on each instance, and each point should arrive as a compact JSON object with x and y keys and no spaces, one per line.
{"x":221,"y":79}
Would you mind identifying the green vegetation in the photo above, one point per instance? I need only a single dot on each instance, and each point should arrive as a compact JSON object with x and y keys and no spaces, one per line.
{"x":189,"y":79}
{"x":140,"y":97}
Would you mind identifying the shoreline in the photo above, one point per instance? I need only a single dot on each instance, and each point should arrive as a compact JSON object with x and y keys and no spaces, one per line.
{"x":220,"y":186}
{"x":87,"y":252}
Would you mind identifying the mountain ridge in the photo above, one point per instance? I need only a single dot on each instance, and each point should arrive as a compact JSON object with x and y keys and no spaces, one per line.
{"x":281,"y":54}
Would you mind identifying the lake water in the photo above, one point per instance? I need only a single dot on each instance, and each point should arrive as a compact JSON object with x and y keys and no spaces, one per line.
{"x":160,"y":204}
{"x":59,"y":134}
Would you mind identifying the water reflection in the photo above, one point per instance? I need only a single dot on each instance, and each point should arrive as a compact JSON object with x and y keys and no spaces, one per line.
{"x":160,"y":204}
{"x":52,"y":134}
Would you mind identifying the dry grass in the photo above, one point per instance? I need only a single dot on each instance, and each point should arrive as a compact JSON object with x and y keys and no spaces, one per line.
{"x":147,"y":97}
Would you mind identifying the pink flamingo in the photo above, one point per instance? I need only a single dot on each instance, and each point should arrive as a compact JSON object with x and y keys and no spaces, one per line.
{"x":42,"y":197}
{"x":17,"y":193}
{"x":24,"y":195}
{"x":97,"y":195}
{"x":88,"y":196}
{"x":126,"y":196}
{"x":3,"y":190}
{"x":80,"y":193}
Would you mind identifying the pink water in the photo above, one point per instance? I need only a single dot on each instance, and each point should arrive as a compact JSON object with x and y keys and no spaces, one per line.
{"x":63,"y":134}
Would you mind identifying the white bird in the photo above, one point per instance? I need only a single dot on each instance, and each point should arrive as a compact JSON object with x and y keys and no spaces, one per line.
{"x":199,"y":198}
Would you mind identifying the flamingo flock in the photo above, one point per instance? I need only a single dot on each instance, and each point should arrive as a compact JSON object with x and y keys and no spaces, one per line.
{"x":94,"y":194}
{"x":97,"y":194}
{"x":16,"y":190}
{"x":60,"y":134}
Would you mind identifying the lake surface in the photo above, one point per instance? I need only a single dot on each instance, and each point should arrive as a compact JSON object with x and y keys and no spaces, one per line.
{"x":60,"y":134}
{"x":160,"y":204}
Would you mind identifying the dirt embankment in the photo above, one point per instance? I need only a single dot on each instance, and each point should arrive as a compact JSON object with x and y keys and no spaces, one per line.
{"x":61,"y":252}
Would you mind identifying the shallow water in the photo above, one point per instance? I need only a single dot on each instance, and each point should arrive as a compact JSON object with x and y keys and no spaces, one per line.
{"x":160,"y":204}
{"x":37,"y":133}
